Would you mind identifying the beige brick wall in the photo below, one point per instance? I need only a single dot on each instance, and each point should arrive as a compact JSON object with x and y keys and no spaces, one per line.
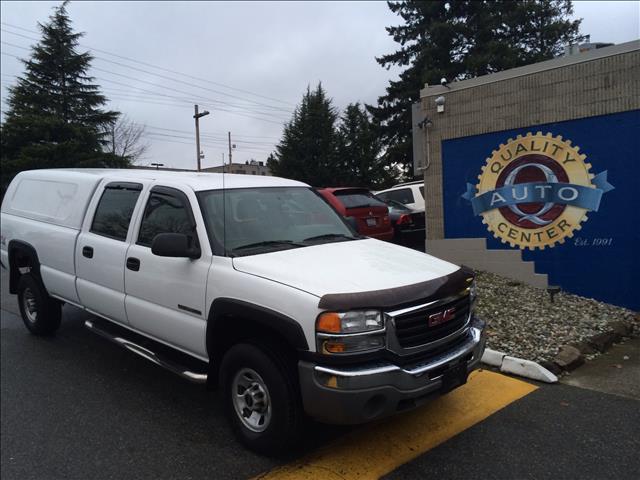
{"x":596,"y":86}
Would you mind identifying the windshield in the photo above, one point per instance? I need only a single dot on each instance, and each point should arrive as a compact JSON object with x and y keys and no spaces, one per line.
{"x":394,"y":205}
{"x":256,"y":220}
{"x":358,"y":199}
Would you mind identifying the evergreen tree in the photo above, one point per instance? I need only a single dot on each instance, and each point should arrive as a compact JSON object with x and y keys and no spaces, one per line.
{"x":308,"y":148}
{"x":458,"y":39}
{"x":55,"y":116}
{"x":359,"y":150}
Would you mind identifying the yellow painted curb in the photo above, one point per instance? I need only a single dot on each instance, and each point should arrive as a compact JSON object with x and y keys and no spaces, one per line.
{"x":377,"y":449}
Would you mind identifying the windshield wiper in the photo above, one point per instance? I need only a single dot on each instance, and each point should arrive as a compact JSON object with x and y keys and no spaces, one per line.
{"x":269,"y":243}
{"x":329,"y":236}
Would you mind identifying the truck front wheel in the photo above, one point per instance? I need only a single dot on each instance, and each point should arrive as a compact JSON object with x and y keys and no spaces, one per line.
{"x":40,"y":313}
{"x":261,"y":397}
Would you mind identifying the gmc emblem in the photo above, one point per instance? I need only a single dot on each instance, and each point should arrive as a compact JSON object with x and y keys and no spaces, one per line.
{"x":442,"y":317}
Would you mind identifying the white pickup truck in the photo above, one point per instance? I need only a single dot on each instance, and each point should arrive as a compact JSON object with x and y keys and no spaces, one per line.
{"x":251,"y":283}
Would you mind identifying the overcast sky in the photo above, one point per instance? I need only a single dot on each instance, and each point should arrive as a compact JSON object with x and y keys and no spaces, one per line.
{"x":247,"y":63}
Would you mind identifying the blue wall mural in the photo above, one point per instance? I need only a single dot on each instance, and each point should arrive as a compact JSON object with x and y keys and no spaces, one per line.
{"x":601,"y":259}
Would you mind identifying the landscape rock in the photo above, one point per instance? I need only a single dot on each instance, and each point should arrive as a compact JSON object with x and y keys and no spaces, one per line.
{"x":522,"y":321}
{"x":568,"y":358}
{"x":584,"y":348}
{"x":623,"y":329}
{"x":603,"y":341}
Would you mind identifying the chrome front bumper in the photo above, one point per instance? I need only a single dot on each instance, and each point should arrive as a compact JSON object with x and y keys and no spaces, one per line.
{"x":350,"y":395}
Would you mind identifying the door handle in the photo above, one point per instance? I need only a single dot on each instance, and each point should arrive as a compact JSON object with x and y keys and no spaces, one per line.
{"x":87,"y":252}
{"x":133,"y":264}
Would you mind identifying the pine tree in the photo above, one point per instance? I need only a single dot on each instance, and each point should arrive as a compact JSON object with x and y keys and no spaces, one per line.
{"x":359,"y":150}
{"x":55,"y":116}
{"x":308,"y":148}
{"x":458,"y":40}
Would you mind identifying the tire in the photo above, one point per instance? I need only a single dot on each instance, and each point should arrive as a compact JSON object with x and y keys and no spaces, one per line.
{"x":40,"y":313}
{"x":251,"y":364}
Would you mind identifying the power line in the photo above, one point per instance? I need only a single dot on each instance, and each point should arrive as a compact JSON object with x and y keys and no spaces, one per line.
{"x":208,"y":106}
{"x":177,"y":138}
{"x":245,"y":107}
{"x":219,"y":135}
{"x":164,"y":69}
{"x":205,"y":135}
{"x":178,"y":91}
{"x":210,"y":139}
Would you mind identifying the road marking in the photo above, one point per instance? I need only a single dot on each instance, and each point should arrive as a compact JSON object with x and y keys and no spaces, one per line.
{"x":374,"y":450}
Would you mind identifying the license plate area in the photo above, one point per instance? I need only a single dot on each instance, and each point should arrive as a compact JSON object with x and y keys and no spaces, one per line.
{"x":454,"y":377}
{"x":371,"y":222}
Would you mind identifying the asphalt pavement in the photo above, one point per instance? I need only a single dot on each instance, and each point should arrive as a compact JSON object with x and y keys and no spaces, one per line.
{"x":78,"y":407}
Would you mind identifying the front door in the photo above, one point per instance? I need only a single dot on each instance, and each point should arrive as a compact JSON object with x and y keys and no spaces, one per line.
{"x":101,"y":249}
{"x":165,"y":295}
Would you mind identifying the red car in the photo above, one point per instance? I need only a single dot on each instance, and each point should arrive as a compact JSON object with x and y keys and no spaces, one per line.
{"x":371,"y":215}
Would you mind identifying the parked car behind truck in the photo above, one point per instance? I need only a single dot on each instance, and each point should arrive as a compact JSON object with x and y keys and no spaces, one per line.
{"x":408,"y":225}
{"x":369,"y":214}
{"x":251,"y":283}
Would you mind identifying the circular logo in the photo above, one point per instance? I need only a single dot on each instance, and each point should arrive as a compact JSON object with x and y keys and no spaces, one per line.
{"x":535,"y":191}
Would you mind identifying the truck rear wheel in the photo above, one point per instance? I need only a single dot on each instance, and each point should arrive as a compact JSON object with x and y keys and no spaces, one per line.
{"x":261,"y":397}
{"x":40,"y":313}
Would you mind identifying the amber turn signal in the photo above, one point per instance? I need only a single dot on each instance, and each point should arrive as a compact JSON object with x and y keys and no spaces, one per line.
{"x":334,"y":347}
{"x":329,"y":322}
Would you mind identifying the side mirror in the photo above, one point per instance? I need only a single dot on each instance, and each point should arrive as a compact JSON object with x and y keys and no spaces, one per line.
{"x":353,"y":223}
{"x":174,"y":245}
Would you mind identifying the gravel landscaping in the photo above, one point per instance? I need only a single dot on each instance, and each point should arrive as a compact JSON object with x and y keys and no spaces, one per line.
{"x":523,"y":322}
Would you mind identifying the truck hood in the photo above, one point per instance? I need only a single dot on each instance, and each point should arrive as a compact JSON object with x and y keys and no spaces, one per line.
{"x":345,"y":267}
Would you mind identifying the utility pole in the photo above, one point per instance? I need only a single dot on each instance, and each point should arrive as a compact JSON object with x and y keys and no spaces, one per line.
{"x":222,"y":162}
{"x":113,"y":138}
{"x":230,"y":148}
{"x":197,"y":116}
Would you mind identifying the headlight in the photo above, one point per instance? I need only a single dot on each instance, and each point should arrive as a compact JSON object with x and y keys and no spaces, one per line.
{"x":350,"y":332}
{"x":350,"y":322}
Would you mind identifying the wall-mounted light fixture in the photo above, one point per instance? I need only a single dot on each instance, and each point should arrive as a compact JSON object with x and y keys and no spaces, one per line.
{"x":440,"y":104}
{"x":425,"y":122}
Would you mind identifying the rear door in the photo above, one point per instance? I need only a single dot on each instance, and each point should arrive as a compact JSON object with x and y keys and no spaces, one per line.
{"x":166,"y":295}
{"x":371,"y":214}
{"x":101,"y":249}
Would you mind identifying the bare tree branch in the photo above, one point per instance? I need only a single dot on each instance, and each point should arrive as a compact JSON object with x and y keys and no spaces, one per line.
{"x":127,"y":139}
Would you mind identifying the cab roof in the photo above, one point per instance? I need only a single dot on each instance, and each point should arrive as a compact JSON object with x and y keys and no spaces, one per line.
{"x":198,"y":181}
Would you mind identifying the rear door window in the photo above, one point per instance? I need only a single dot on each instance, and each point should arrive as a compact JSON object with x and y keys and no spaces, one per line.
{"x":422,"y":191}
{"x":114,"y":211}
{"x":358,"y":199}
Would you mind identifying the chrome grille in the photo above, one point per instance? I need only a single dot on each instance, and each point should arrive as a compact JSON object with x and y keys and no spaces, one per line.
{"x":412,"y":327}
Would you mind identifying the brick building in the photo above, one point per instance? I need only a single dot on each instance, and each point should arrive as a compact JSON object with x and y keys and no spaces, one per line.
{"x":533,"y":172}
{"x":252,"y":167}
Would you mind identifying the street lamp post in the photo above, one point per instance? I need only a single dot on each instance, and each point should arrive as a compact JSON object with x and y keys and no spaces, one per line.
{"x":197,"y":115}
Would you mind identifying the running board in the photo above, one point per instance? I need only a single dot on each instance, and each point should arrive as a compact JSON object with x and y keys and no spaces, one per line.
{"x":150,"y":355}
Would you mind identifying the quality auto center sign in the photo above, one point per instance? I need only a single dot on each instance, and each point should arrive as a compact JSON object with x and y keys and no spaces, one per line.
{"x":536,"y":190}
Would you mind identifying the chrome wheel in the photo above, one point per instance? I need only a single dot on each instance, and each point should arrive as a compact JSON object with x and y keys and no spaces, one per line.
{"x":251,"y":401}
{"x":29,"y":305}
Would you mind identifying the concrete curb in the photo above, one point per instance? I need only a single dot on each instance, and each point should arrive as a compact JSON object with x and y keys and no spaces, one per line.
{"x":517,"y":366}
